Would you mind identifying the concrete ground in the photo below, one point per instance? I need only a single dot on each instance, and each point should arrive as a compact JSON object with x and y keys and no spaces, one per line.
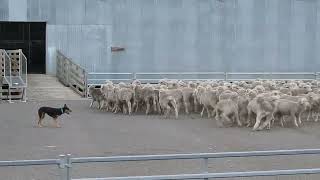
{"x":89,"y":132}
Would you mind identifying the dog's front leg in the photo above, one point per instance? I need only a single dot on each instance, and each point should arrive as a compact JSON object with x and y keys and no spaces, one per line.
{"x":56,"y":122}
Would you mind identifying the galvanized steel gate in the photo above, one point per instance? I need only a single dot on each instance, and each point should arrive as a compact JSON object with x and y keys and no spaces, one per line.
{"x":65,"y":163}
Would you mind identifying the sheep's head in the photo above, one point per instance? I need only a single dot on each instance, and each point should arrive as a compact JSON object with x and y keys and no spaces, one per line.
{"x":136,"y":82}
{"x":192,"y":84}
{"x":304,"y":103}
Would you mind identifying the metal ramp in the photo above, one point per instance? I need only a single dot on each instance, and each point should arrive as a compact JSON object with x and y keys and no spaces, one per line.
{"x":14,"y":65}
{"x":44,"y":87}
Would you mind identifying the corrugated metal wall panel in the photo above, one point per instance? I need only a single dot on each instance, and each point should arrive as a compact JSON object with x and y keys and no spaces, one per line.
{"x":18,"y":10}
{"x":41,"y":10}
{"x":87,"y":45}
{"x":271,"y":36}
{"x":285,"y":25}
{"x":233,"y":35}
{"x":317,"y":39}
{"x":98,"y":12}
{"x":310,"y":38}
{"x":181,"y":35}
{"x":4,"y":10}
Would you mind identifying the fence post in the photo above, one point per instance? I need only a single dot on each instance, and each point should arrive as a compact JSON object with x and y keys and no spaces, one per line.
{"x":315,"y":75}
{"x":69,"y":166}
{"x":65,"y":167}
{"x":134,"y":76}
{"x":205,"y":166}
{"x":85,"y":84}
{"x":225,"y":76}
{"x":62,"y":167}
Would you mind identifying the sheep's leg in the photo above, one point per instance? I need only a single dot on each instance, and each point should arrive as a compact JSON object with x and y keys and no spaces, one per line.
{"x":91,"y":103}
{"x":295,"y":120}
{"x":154,"y":104}
{"x":238,"y":119}
{"x":218,"y":120}
{"x":299,"y":118}
{"x":266,"y":123}
{"x":213,"y":112}
{"x":148,"y":107}
{"x":275,"y":118}
{"x":201,"y":114}
{"x":282,"y":121}
{"x":317,"y":117}
{"x":309,"y":114}
{"x":167,"y":108}
{"x":108,"y":106}
{"x":226,"y":117}
{"x":271,"y":119}
{"x":249,"y":119}
{"x":176,"y":110}
{"x":129,"y":107}
{"x":186,"y":106}
{"x":135,"y":106}
{"x":124,"y":109}
{"x":158,"y":107}
{"x":116,"y":108}
{"x":178,"y":105}
{"x":101,"y":104}
{"x":208,"y":112}
{"x":195,"y":104}
{"x":242,"y":116}
{"x":258,"y":120}
{"x":272,"y":122}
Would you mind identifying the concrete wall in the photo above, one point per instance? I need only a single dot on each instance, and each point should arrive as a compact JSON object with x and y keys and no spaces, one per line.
{"x":178,"y":35}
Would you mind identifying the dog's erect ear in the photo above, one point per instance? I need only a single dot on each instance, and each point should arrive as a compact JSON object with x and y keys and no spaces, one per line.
{"x":65,"y":105}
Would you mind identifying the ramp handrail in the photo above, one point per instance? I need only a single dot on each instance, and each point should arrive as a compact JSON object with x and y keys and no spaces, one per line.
{"x":7,"y":68}
{"x":71,"y":74}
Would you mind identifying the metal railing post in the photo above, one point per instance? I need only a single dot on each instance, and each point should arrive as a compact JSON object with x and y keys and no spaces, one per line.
{"x":86,"y":84}
{"x":315,"y":75}
{"x":68,"y":166}
{"x":134,"y":76}
{"x":205,"y":166}
{"x":62,"y":167}
{"x":225,"y":76}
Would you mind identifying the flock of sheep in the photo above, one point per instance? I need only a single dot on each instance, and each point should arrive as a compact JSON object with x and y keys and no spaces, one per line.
{"x":257,"y":103}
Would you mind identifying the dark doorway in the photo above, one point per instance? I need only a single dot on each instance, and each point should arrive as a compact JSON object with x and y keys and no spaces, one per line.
{"x":28,"y":36}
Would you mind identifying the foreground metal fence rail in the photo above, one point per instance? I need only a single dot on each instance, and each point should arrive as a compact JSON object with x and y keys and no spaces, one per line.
{"x":65,"y":164}
{"x":215,"y":175}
